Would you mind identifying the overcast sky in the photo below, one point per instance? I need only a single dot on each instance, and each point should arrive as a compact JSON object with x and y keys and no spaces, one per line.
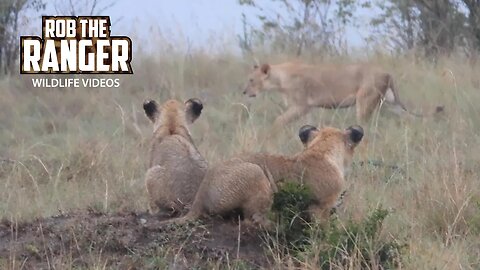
{"x":196,"y":19}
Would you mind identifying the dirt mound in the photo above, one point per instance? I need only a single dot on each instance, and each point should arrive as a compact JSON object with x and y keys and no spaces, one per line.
{"x":126,"y":241}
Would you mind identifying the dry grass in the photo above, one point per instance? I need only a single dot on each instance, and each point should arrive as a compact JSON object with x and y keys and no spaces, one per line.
{"x":67,"y":149}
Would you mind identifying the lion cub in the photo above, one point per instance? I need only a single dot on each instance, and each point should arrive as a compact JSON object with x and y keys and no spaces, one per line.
{"x":249,"y":181}
{"x":176,"y":166}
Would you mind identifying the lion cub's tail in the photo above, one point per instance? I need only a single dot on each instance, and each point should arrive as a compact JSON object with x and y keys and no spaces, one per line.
{"x":392,"y":97}
{"x":194,"y":213}
{"x":181,"y":220}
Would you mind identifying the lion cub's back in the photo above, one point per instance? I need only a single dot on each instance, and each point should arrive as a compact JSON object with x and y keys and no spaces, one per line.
{"x":228,"y":184}
{"x":185,"y":166}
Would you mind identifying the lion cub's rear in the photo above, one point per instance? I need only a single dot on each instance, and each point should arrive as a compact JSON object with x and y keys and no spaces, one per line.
{"x":176,"y":166}
{"x":248,"y":181}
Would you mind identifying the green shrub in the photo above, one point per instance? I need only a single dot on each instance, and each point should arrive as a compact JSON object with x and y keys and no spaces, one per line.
{"x":340,"y":243}
{"x":290,"y":205}
{"x":335,"y":243}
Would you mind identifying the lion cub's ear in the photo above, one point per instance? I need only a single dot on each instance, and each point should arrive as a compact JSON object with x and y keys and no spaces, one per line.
{"x":265,"y":69}
{"x":307,"y":133}
{"x":355,"y":134}
{"x":151,"y":109}
{"x":193,"y":109}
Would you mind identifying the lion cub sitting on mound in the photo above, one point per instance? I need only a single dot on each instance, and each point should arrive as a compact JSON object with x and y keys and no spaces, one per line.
{"x":176,"y":166}
{"x":247,"y":182}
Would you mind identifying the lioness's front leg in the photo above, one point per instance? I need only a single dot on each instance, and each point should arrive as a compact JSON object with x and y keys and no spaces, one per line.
{"x":291,"y":114}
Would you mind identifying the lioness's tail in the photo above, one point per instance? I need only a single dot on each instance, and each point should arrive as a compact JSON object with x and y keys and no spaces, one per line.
{"x":391,"y":96}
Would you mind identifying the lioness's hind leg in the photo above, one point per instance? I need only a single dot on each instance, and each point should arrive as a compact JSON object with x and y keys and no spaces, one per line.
{"x":367,"y":102}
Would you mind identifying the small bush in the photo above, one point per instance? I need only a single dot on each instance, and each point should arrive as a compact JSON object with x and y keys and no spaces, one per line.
{"x":291,"y":205}
{"x":336,"y":243}
{"x":339,"y":243}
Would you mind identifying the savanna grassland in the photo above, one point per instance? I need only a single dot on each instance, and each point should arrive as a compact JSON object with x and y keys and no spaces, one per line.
{"x":83,"y":153}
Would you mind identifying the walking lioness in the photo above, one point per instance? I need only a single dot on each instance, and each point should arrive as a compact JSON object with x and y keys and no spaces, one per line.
{"x":248,"y":182}
{"x":176,"y":166}
{"x":306,"y":86}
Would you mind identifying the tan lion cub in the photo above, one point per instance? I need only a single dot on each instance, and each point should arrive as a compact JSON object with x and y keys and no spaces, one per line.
{"x":248,"y":182}
{"x":176,"y":166}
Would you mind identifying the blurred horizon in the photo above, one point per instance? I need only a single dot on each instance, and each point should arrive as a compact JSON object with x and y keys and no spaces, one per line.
{"x":194,"y":21}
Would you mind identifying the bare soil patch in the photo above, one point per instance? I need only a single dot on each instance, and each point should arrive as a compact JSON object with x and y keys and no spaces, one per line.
{"x":127,"y":241}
